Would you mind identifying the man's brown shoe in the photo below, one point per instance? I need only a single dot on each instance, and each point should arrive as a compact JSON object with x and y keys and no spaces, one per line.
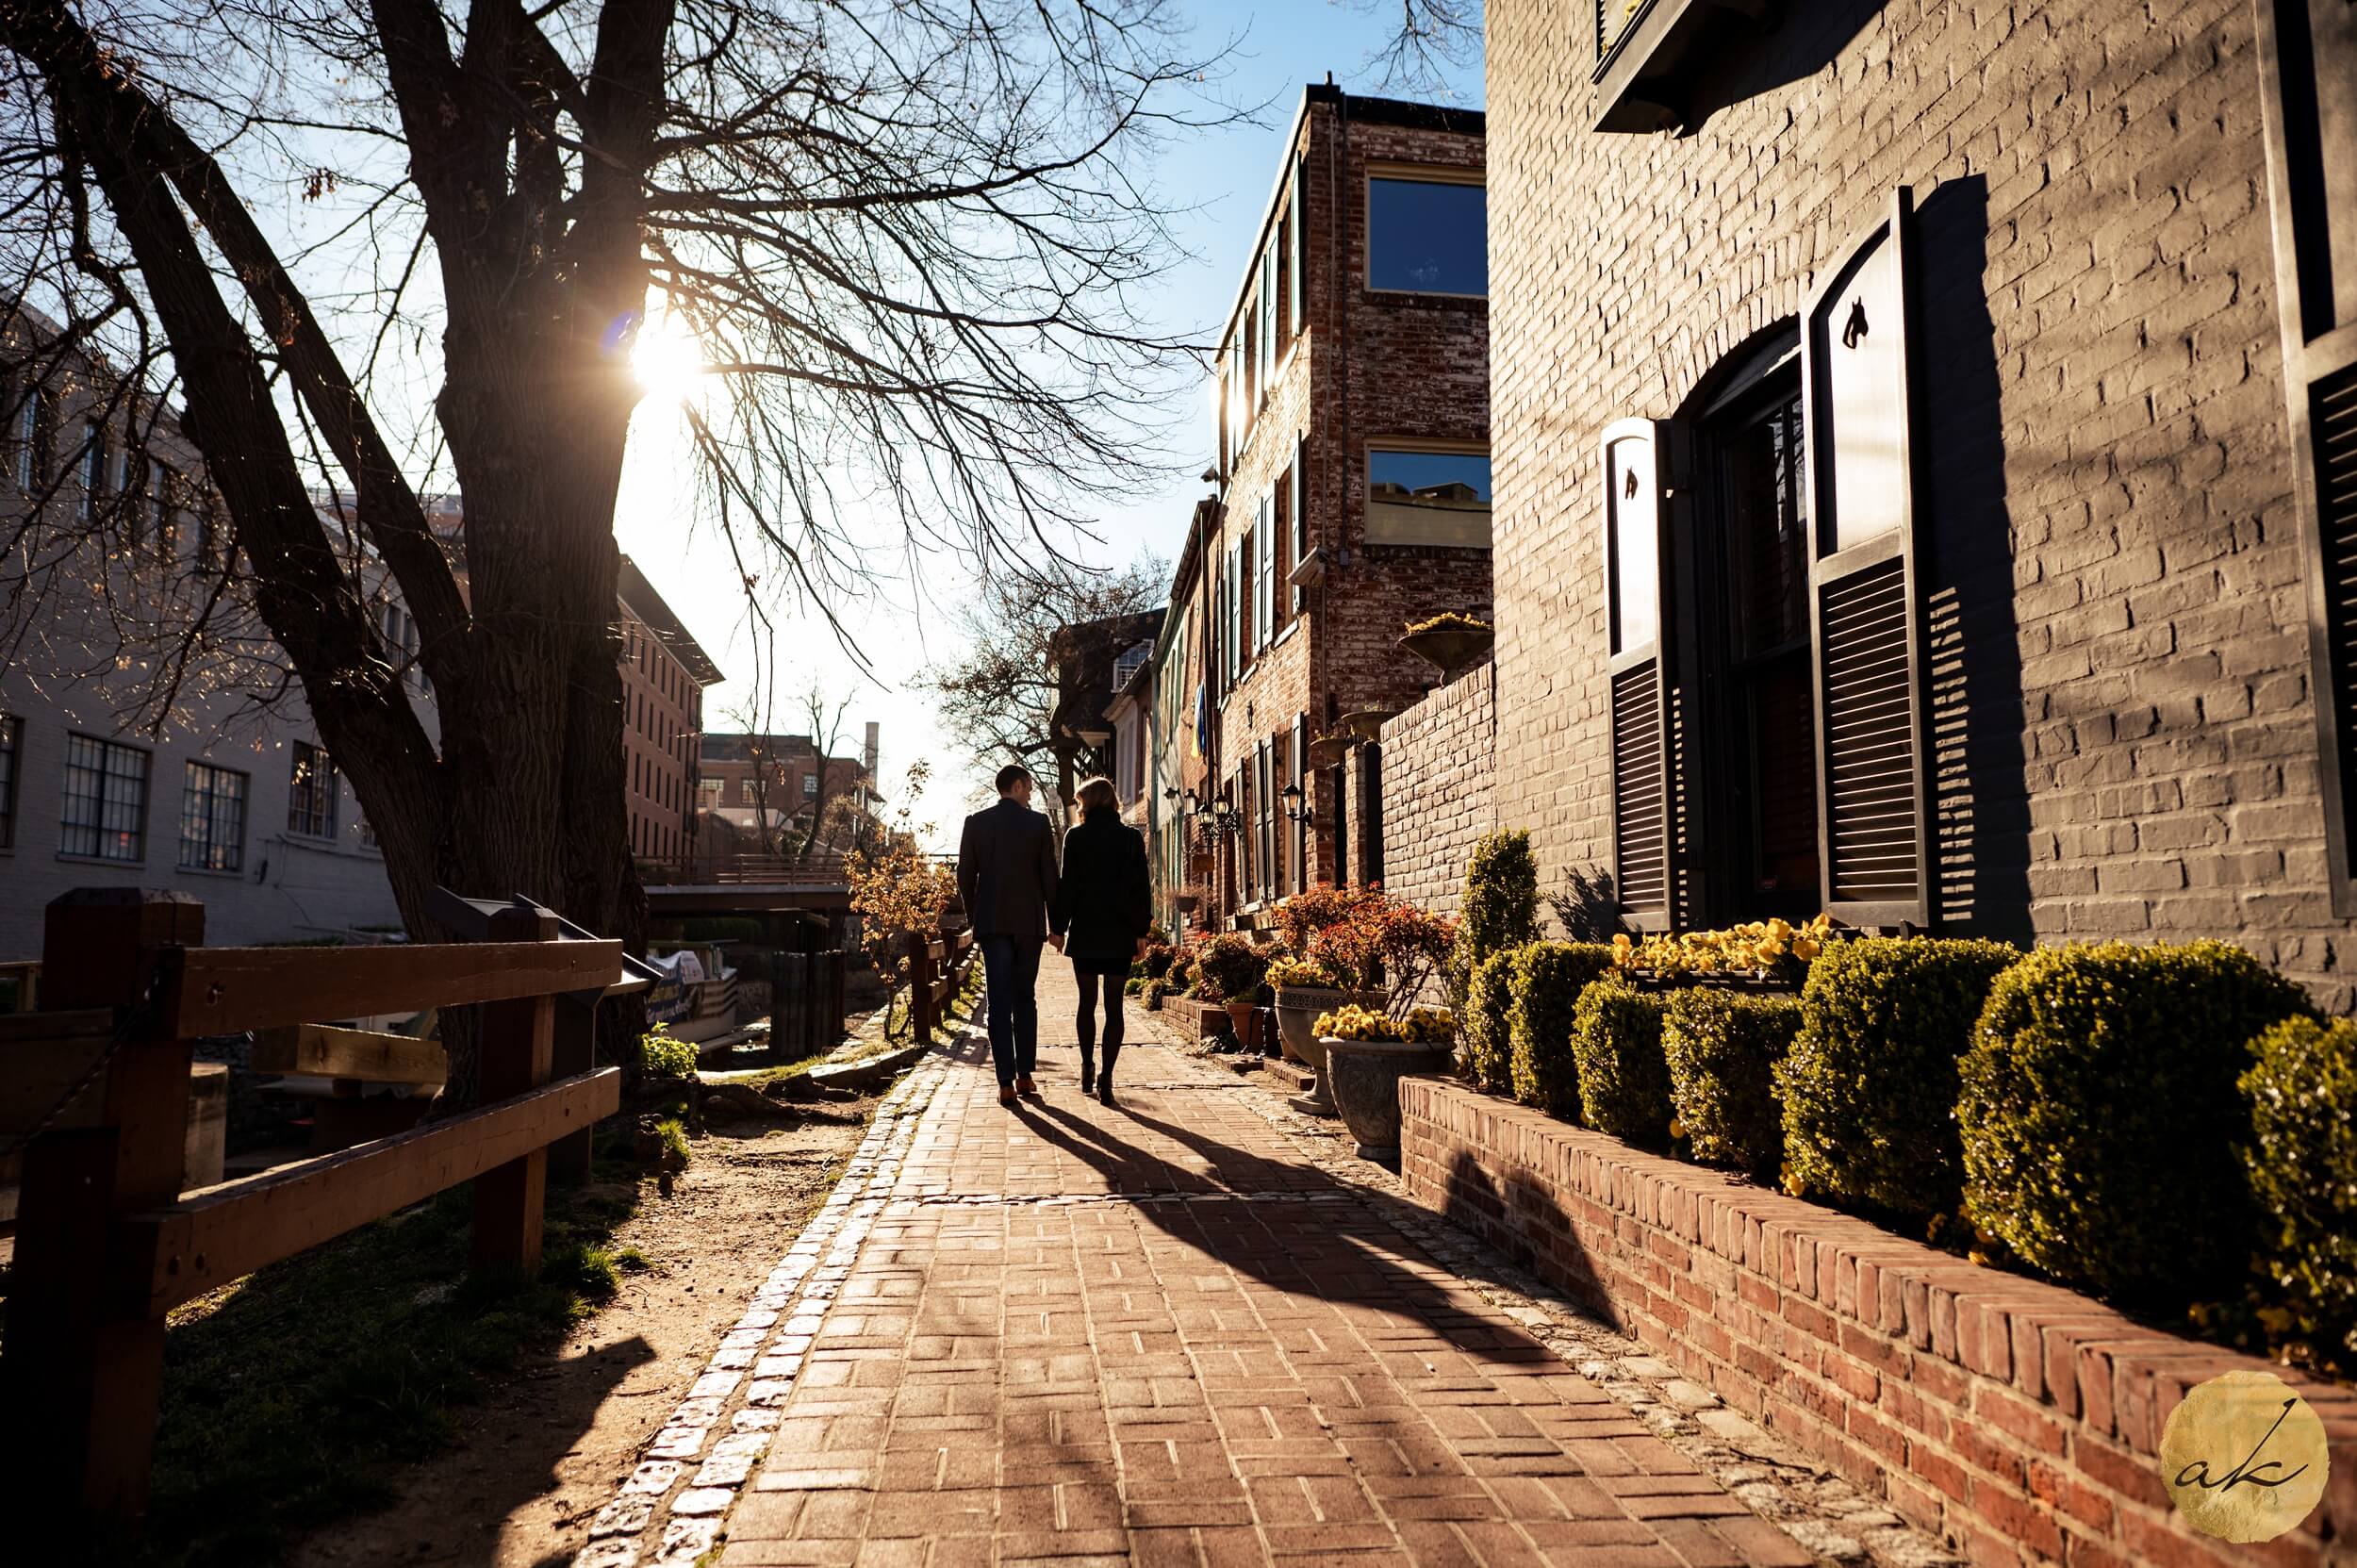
{"x":1024,"y":1086}
{"x":1005,"y":1093}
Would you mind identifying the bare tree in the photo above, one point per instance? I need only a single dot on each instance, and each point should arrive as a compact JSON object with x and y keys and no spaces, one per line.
{"x":826,"y":733}
{"x":905,"y":238}
{"x":1029,"y":637}
{"x":1432,"y":38}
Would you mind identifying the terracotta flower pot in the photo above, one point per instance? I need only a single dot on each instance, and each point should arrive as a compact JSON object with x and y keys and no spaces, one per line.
{"x":1246,"y":1019}
{"x":1365,"y":1076}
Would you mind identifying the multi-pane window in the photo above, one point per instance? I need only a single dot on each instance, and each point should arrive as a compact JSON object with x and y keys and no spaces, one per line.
{"x":106,"y":800}
{"x":810,"y":785}
{"x":311,"y":793}
{"x":1264,"y":807}
{"x":12,"y":731}
{"x":1427,"y":235}
{"x":368,"y":835}
{"x":27,"y":439}
{"x":213,"y":819}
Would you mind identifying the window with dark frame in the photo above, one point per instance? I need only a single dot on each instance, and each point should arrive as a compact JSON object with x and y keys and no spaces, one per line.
{"x":1428,"y":497}
{"x":213,"y":819}
{"x":1427,"y":235}
{"x":311,"y":791}
{"x":1297,"y":759}
{"x":12,"y":745}
{"x":106,"y":800}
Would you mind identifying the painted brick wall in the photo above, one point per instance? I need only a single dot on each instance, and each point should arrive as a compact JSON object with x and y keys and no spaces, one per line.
{"x":2132,"y":750}
{"x":2020,"y":1419}
{"x":1439,"y":761}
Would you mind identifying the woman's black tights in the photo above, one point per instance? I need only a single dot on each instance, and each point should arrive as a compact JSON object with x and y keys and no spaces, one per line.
{"x":1091,"y":984}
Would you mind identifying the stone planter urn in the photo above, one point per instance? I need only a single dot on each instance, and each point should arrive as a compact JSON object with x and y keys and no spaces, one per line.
{"x":1449,"y":649}
{"x":1298,"y":1010}
{"x":1363,"y":1077}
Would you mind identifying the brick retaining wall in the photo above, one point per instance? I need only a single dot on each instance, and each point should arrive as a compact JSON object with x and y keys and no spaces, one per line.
{"x":2019,"y":1418}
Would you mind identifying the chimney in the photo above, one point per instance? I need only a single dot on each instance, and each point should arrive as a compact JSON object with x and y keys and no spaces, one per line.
{"x":867,"y":753}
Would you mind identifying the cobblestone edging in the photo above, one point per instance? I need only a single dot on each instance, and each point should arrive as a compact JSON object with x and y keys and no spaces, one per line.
{"x":1823,"y":1511}
{"x":671,"y":1510}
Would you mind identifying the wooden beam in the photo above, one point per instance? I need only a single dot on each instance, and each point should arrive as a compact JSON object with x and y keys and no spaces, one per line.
{"x":226,"y":1233}
{"x":322,"y":1050}
{"x":35,"y":1074}
{"x":229,"y":990}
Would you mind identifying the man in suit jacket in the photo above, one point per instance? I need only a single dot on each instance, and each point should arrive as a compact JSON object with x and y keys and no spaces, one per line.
{"x":1007,"y":877}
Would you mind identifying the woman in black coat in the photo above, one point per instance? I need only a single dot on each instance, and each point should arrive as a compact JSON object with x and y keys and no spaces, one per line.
{"x":1104,"y":904}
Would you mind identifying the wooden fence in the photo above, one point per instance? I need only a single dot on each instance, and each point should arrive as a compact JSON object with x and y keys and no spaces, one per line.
{"x":106,"y":1242}
{"x":937,"y":970}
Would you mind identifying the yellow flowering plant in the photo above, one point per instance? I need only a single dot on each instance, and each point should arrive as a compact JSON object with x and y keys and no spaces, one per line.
{"x":1431,"y":1023}
{"x":1354,"y":1022}
{"x":1758,"y":946}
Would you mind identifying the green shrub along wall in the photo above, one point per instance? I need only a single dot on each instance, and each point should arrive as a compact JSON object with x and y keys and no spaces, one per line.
{"x":1624,"y":1079}
{"x":2100,"y":1113}
{"x":1501,"y":908}
{"x":1548,"y":979}
{"x":1722,"y":1048}
{"x":2301,"y":1159}
{"x":1488,"y":1022}
{"x":1869,"y":1088}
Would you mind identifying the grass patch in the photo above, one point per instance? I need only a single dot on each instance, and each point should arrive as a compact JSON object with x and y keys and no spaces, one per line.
{"x":293,"y":1398}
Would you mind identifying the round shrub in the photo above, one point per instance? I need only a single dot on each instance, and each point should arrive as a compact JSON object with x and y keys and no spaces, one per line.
{"x":2100,"y":1113}
{"x":1548,"y":977}
{"x":1231,"y":967}
{"x":1489,"y":1043}
{"x":2302,"y":1160}
{"x":1723,"y":1047}
{"x":1616,"y":1044}
{"x":1869,"y":1086}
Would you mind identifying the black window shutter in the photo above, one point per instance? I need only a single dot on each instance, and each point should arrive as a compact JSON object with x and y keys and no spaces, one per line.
{"x":1645,"y":839}
{"x":2308,"y":69}
{"x":1866,"y":629}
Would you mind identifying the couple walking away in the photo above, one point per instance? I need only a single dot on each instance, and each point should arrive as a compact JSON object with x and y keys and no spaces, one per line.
{"x":1094,"y":911}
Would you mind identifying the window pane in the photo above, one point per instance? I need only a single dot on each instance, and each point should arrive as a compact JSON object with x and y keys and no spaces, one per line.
{"x":1428,"y":237}
{"x":1428,"y":498}
{"x":311,"y":793}
{"x":213,"y":819}
{"x":106,"y":800}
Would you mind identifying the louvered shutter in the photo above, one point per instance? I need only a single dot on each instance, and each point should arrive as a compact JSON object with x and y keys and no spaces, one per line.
{"x":2308,"y":69}
{"x":1865,"y":631}
{"x":1635,"y":552}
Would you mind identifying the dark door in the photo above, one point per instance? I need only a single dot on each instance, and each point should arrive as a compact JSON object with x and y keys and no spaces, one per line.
{"x":1765,"y":809}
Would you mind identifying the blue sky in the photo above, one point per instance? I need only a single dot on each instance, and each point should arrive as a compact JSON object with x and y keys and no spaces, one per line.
{"x":1217,"y":182}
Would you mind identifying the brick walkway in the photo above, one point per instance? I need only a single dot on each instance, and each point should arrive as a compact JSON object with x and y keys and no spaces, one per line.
{"x":1158,"y":1335}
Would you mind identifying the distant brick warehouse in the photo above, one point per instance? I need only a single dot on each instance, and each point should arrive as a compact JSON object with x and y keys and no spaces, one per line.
{"x":1353,"y":496}
{"x":1897,"y":506}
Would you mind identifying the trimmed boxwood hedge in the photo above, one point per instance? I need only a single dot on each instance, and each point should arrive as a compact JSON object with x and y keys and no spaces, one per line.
{"x":1723,"y":1047}
{"x":1548,"y":979}
{"x":2100,"y":1113}
{"x":1616,"y":1044}
{"x":1869,"y":1088}
{"x":1487,"y":1023}
{"x":2302,"y":1163}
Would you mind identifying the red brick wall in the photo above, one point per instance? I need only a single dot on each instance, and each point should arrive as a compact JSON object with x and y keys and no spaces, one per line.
{"x":2020,"y":1419}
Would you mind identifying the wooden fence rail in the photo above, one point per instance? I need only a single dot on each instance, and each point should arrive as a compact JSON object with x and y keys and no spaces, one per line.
{"x":936,"y":972}
{"x":106,"y":1244}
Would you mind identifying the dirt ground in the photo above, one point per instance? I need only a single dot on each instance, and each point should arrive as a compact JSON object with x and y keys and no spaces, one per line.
{"x":545,"y":1450}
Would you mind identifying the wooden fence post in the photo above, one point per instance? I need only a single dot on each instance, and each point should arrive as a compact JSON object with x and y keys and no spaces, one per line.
{"x":518,"y":1048}
{"x":85,"y":1360}
{"x":832,"y":1004}
{"x":920,"y":987}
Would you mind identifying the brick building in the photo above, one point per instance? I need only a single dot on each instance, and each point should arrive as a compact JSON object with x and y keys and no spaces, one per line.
{"x":740,"y":776}
{"x":1353,"y":478}
{"x":1923,"y":478}
{"x":664,"y":672}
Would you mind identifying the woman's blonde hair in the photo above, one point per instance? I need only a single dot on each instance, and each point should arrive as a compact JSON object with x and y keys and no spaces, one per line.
{"x":1097,"y":793}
